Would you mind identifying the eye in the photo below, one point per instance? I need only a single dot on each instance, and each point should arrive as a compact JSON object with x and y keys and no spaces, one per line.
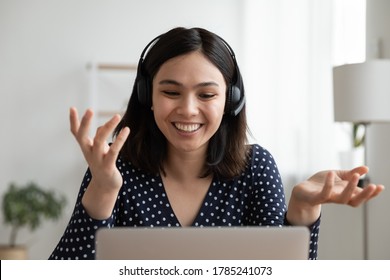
{"x":170,"y":93}
{"x":207,"y":95}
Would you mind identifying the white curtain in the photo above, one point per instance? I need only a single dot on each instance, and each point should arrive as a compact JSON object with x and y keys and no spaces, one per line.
{"x":289,"y":49}
{"x":287,"y":70}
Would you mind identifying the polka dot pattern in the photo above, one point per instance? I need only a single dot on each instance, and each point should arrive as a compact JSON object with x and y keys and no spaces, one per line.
{"x":256,"y":198}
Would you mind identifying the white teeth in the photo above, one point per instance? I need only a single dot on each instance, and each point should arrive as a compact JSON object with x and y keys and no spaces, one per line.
{"x":187,"y":127}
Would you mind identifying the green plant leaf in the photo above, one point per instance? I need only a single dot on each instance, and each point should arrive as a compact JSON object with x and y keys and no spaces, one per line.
{"x":28,"y":206}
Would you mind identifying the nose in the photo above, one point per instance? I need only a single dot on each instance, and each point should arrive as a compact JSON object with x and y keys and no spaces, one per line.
{"x":188,"y":106}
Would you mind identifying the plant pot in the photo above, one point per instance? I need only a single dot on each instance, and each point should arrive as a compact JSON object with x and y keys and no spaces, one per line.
{"x":13,"y":253}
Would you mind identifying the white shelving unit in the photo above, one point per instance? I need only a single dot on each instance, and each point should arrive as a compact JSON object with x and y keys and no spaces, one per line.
{"x":111,"y":85}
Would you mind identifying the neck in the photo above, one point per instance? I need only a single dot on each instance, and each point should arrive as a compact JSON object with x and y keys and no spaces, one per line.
{"x":185,"y":165}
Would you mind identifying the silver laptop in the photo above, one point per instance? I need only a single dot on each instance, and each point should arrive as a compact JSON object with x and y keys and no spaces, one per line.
{"x":207,"y":243}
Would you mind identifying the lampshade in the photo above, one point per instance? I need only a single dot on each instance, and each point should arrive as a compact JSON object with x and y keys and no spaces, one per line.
{"x":362,"y":92}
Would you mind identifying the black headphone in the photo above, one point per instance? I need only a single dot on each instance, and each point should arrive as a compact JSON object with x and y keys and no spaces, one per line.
{"x":235,"y":99}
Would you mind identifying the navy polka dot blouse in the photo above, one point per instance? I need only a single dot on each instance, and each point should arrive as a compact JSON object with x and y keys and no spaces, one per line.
{"x":256,"y":198}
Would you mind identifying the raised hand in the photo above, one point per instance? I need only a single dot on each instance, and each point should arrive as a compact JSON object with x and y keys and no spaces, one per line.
{"x":339,"y":187}
{"x":101,"y":158}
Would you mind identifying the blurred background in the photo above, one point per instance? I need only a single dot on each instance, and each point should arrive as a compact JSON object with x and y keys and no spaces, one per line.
{"x":51,"y":51}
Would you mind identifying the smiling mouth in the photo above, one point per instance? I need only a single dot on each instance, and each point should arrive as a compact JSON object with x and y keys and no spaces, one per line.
{"x":187,"y":127}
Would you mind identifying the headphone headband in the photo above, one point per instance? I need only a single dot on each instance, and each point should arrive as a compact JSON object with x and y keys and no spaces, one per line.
{"x":147,"y":47}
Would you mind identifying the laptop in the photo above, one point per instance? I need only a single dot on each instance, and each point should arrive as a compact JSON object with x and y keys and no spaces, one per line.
{"x":203,"y":243}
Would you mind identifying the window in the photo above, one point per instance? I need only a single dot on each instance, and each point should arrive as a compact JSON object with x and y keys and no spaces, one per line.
{"x":349,"y":32}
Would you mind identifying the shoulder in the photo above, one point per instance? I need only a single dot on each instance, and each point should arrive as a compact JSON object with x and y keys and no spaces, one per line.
{"x":258,"y":153}
{"x":261,"y":161}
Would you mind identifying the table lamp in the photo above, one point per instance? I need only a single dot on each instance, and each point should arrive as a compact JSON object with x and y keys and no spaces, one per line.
{"x":361,"y":94}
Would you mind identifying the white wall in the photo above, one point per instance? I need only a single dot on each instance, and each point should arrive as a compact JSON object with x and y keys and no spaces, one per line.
{"x":45,"y":46}
{"x":378,"y":151}
{"x":342,"y":227}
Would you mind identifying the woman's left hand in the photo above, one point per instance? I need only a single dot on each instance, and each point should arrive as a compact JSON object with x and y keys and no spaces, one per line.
{"x":339,"y":187}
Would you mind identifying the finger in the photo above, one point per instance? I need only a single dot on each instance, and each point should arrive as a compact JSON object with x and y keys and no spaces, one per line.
{"x":365,"y":194}
{"x":348,"y":174}
{"x":378,"y":190}
{"x":85,"y":124}
{"x":102,"y":133}
{"x":349,"y":190}
{"x":74,"y":120}
{"x":361,"y":170}
{"x":326,"y":192}
{"x":117,"y":145}
{"x":77,"y":131}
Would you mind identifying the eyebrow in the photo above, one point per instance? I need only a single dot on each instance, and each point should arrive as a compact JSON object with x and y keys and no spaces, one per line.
{"x":176,"y":83}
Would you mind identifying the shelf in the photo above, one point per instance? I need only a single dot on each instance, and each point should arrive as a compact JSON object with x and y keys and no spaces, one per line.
{"x":109,"y":91}
{"x":113,"y":66}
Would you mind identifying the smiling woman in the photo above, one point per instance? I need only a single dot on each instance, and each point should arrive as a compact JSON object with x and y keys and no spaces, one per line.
{"x":180,"y":155}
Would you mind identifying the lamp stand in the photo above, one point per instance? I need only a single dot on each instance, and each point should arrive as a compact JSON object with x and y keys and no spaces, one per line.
{"x":364,"y":181}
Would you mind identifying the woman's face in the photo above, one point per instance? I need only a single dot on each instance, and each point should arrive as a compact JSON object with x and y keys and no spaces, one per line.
{"x":189,"y":95}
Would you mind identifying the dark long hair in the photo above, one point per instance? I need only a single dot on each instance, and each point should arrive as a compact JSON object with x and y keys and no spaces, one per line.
{"x":146,"y":146}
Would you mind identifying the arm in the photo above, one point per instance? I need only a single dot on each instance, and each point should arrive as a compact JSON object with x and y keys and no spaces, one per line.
{"x":100,"y":196}
{"x":98,"y":192}
{"x":328,"y":187}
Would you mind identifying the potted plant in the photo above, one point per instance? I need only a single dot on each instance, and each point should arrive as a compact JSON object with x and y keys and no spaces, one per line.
{"x":27,"y":206}
{"x":354,"y":156}
{"x":358,"y":134}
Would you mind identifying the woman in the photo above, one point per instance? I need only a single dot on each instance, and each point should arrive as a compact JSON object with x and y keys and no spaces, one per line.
{"x":180,"y":155}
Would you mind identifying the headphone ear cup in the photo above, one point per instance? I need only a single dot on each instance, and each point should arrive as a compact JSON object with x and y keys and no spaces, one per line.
{"x":143,"y":90}
{"x":233,"y":100}
{"x":235,"y":95}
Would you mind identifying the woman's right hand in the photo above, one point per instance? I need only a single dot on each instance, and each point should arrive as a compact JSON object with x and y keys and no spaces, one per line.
{"x":102,"y":191}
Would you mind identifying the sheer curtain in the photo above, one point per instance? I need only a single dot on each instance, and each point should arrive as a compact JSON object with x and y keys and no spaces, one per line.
{"x":289,"y":49}
{"x":287,"y":69}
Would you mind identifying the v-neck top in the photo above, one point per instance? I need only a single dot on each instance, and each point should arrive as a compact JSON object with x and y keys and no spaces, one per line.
{"x":255,"y":198}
